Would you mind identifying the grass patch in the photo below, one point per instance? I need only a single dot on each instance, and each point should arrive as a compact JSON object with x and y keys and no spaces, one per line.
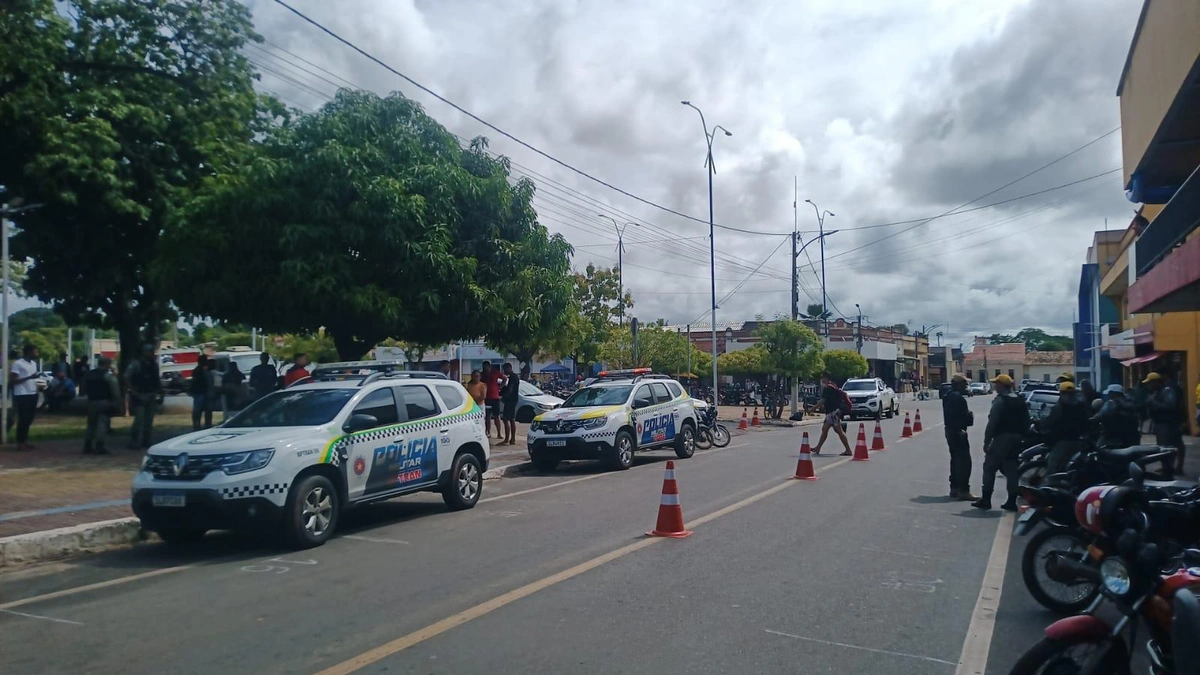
{"x":72,"y":427}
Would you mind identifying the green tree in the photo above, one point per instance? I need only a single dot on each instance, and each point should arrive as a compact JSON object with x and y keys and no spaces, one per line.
{"x":817,"y":311}
{"x":750,"y":361}
{"x":793,"y":349}
{"x":1035,"y":340}
{"x":844,"y":364}
{"x":111,"y":113}
{"x":318,"y":346}
{"x":46,"y":330}
{"x":666,"y":351}
{"x":591,"y":317}
{"x":369,"y":218}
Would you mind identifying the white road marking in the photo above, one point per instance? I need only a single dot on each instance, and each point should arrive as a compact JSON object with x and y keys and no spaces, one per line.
{"x":376,"y":540}
{"x":38,"y":616}
{"x":92,"y":587}
{"x":872,"y":549}
{"x":973,"y":660}
{"x":865,"y":649}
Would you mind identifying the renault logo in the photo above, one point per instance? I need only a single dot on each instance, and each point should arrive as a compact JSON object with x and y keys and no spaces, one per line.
{"x":180,"y":463}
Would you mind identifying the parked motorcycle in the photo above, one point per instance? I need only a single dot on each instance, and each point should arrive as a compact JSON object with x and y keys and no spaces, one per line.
{"x":711,"y":433}
{"x":1139,"y":577}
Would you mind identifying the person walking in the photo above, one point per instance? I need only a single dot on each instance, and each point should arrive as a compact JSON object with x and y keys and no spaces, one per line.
{"x":492,"y":379}
{"x":1164,"y":409}
{"x":144,"y":384}
{"x":835,"y":403}
{"x":103,"y":391}
{"x":204,"y":392}
{"x":956,"y":418}
{"x":231,"y":388}
{"x":22,"y":381}
{"x":298,"y":371}
{"x":1118,"y":420}
{"x":1008,"y":420}
{"x":510,"y":394}
{"x":1065,"y":427}
{"x":263,"y":377}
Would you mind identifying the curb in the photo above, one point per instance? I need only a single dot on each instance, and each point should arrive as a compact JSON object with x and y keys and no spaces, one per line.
{"x":67,"y":541}
{"x":508,"y":470}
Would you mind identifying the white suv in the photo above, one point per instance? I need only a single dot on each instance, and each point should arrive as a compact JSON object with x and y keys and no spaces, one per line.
{"x":621,"y":412}
{"x":296,"y":458}
{"x":870,"y":397}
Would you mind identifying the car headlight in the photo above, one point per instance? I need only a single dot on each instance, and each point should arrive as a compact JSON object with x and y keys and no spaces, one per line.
{"x":535,"y":426}
{"x":1115,"y":576}
{"x":145,"y":461}
{"x":594,"y":423}
{"x":545,"y":406}
{"x":241,"y":462}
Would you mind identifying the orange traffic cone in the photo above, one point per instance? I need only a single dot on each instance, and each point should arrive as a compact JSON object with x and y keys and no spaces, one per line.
{"x":670,"y":513}
{"x":742,"y":426}
{"x":877,"y":442}
{"x":804,"y":467}
{"x":754,"y":420}
{"x":907,"y":433}
{"x":860,"y":448}
{"x":917,"y":422}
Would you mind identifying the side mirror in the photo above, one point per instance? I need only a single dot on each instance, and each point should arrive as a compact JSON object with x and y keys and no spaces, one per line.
{"x":1137,"y":475}
{"x":360,"y":422}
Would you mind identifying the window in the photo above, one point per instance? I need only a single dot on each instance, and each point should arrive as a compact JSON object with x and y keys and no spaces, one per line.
{"x":660,"y":392}
{"x":997,"y":371}
{"x":380,"y":404}
{"x":307,"y":407}
{"x":451,"y":396}
{"x":526,"y":389}
{"x":1011,"y":373}
{"x":643,"y":398}
{"x":418,"y":402}
{"x":675,"y":389}
{"x":592,"y":396}
{"x":1045,"y":377}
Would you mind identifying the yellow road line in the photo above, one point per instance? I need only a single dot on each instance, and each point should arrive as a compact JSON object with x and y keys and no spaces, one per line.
{"x":93,"y":587}
{"x":433,"y":630}
{"x":973,"y":660}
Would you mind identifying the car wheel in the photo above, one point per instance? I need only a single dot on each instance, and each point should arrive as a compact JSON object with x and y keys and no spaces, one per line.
{"x":311,"y":512}
{"x":525,"y":414}
{"x":621,"y":455}
{"x":543,"y":462}
{"x":685,"y":442}
{"x":466,"y":482}
{"x":180,"y":535}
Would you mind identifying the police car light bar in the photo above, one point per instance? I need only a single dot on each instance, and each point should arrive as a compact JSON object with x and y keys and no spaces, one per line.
{"x":627,"y":371}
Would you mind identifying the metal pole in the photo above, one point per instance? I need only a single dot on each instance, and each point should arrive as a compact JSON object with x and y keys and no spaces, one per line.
{"x":621,"y":277}
{"x":795,"y":381}
{"x":4,"y":339}
{"x":689,"y":350}
{"x":712,"y":268}
{"x":824,"y":301}
{"x":859,"y":338}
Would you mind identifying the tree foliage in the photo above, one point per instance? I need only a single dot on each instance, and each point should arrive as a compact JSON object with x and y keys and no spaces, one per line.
{"x":1035,"y":340}
{"x":592,"y":316}
{"x":369,"y":219}
{"x":750,"y":361}
{"x":663,"y":350}
{"x":817,"y":311}
{"x":111,"y":113}
{"x":793,"y":349}
{"x":844,"y":364}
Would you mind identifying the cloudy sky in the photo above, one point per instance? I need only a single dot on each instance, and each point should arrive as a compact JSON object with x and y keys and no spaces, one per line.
{"x":880,"y":111}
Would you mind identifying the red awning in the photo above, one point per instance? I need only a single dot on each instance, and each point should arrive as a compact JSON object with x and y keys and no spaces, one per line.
{"x":1142,"y":359}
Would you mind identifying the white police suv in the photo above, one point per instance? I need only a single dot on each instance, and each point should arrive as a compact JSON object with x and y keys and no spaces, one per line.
{"x":297,"y":457}
{"x":619,"y":413}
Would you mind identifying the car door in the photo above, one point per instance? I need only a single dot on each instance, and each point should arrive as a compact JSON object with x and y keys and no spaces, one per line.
{"x":667,"y":412}
{"x":372,"y":452}
{"x":426,"y":433}
{"x":644,"y":416}
{"x":451,"y":437}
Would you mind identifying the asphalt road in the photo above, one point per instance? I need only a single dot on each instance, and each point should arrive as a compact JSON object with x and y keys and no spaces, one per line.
{"x":869,"y":569}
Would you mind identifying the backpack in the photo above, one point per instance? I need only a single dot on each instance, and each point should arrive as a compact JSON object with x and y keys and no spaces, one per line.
{"x":844,"y":407}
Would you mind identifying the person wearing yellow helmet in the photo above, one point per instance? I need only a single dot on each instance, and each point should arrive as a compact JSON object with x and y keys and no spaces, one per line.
{"x":1007,"y":422}
{"x":1166,"y":412}
{"x":1065,"y":427}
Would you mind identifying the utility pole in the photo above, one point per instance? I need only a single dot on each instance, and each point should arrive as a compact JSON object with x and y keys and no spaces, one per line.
{"x":620,"y":265}
{"x":821,"y":234}
{"x":4,"y":339}
{"x":689,"y":350}
{"x":858,"y":339}
{"x":794,"y":387}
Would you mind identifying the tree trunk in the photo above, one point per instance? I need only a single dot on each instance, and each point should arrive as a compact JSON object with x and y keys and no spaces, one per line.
{"x":525,"y":357}
{"x":349,"y":348}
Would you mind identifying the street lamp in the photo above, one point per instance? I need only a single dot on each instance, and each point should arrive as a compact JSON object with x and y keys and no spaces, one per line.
{"x":795,"y":387}
{"x":821,"y":228}
{"x":620,"y":264}
{"x":712,"y":249}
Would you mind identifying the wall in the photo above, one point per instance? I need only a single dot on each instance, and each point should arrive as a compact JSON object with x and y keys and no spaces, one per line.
{"x":1046,"y":372}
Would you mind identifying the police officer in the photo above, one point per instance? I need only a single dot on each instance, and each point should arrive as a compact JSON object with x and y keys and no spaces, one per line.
{"x":1118,"y":419}
{"x":1008,"y":421}
{"x":957,"y":417}
{"x":103,"y":401}
{"x":144,"y":387}
{"x":1164,"y":408}
{"x":1065,"y":427}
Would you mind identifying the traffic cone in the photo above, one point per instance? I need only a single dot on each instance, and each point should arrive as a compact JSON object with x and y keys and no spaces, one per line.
{"x":670,"y":513}
{"x":754,"y":420}
{"x":860,"y":448}
{"x":742,"y":426}
{"x":917,"y":422}
{"x":804,"y":467}
{"x":907,"y":433}
{"x":877,"y":442}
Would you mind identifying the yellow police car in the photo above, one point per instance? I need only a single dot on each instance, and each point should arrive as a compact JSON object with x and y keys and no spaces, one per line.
{"x":617,"y":414}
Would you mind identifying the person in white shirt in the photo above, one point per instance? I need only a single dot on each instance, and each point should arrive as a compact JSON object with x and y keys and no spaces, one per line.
{"x":22,"y":379}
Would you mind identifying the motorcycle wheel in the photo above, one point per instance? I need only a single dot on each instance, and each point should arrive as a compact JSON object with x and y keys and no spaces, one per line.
{"x":703,"y":439}
{"x":1032,"y":473}
{"x":1051,"y":657}
{"x":720,"y":436}
{"x":1064,"y":597}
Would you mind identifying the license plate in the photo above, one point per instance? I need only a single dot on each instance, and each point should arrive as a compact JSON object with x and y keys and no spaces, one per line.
{"x":557,"y":443}
{"x":169,"y":499}
{"x":1026,"y":517}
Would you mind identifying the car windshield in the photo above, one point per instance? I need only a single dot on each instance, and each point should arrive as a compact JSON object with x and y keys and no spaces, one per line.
{"x":304,"y":408}
{"x":528,"y":389}
{"x":591,"y":396}
{"x":864,"y":385}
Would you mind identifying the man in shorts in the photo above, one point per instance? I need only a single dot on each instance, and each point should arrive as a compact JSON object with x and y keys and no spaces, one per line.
{"x":509,"y":396}
{"x":492,"y":378}
{"x":831,"y":403}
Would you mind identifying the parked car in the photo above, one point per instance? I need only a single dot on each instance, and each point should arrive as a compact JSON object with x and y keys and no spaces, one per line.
{"x":870,"y":397}
{"x":534,"y":402}
{"x":979,"y":388}
{"x":1039,"y":402}
{"x":943,"y":389}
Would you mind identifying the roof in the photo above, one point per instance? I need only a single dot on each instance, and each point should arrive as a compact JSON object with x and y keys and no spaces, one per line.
{"x":1009,"y":351}
{"x":1065,"y":358}
{"x":704,"y":326}
{"x":1137,"y":33}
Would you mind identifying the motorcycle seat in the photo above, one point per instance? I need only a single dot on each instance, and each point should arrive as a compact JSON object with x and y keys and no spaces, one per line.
{"x":1133,"y":452}
{"x":1170,"y":486}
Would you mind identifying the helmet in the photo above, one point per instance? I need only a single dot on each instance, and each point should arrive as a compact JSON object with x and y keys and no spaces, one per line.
{"x":1097,"y":404}
{"x":1088,"y":508}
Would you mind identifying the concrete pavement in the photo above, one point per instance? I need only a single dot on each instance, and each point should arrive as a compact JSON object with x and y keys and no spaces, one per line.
{"x":869,"y":569}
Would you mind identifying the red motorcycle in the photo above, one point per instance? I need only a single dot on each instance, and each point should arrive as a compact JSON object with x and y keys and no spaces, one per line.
{"x":1138,"y":578}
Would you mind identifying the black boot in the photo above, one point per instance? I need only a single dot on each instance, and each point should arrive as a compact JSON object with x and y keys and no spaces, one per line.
{"x":984,"y":502}
{"x":1009,"y":504}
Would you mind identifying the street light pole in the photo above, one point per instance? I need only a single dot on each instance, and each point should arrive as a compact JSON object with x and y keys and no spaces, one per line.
{"x":859,"y":339}
{"x":6,"y":210}
{"x":712,"y":248}
{"x":796,"y":295}
{"x":620,"y":264}
{"x":821,"y":228}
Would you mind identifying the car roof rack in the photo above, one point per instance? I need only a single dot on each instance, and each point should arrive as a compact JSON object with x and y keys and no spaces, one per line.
{"x":366,"y":372}
{"x":633,"y":374}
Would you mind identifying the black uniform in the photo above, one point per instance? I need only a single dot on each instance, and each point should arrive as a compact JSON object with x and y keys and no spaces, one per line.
{"x":957,"y":418}
{"x":1008,"y":421}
